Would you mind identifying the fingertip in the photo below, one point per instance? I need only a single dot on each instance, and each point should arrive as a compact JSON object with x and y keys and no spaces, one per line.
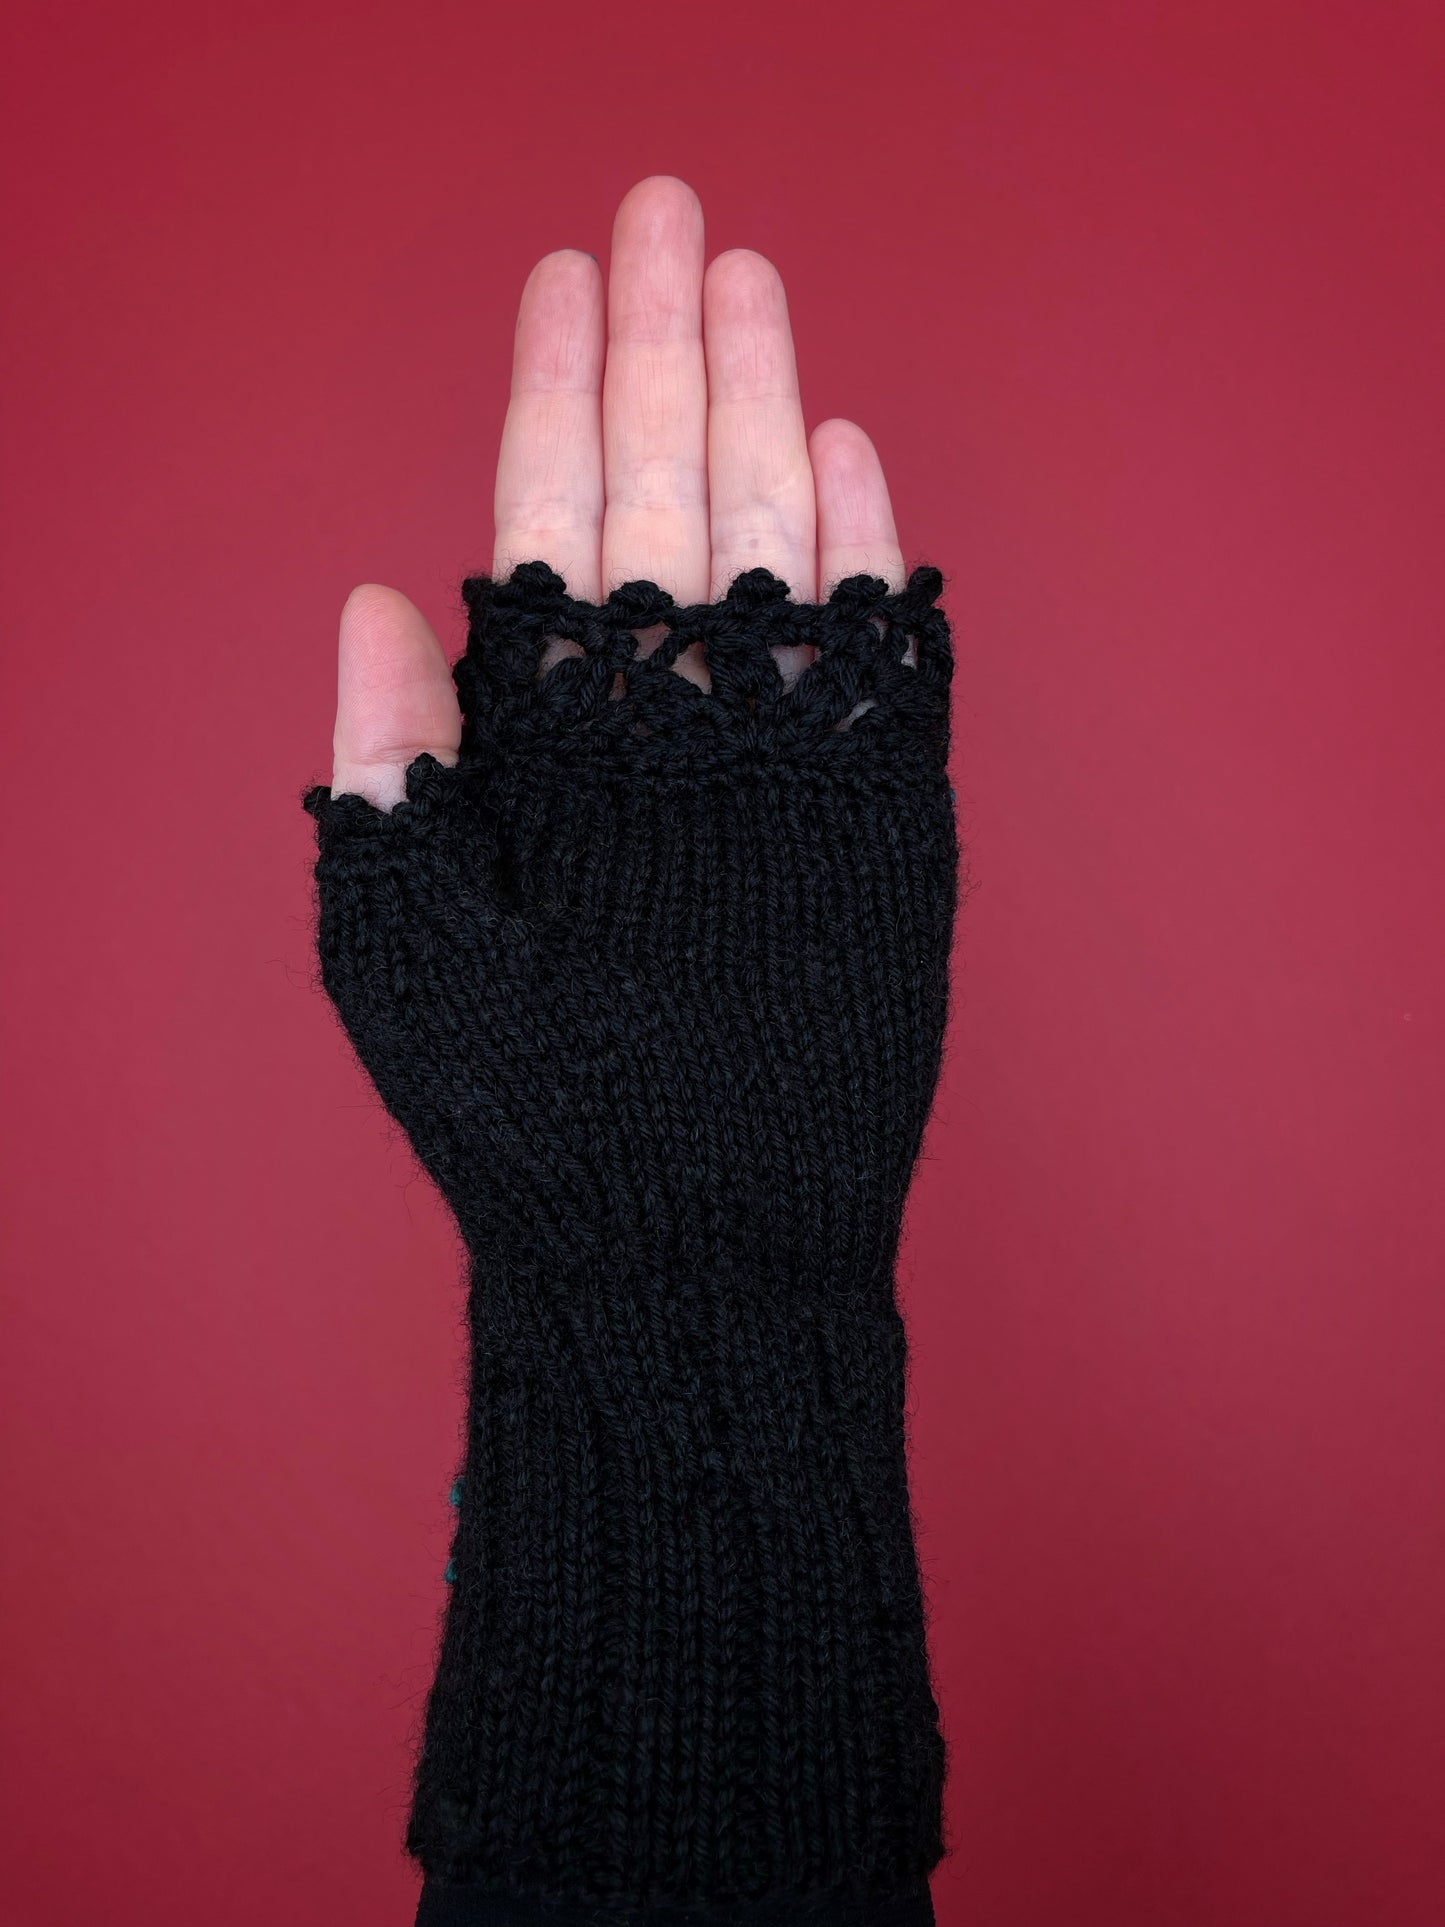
{"x":395,"y":693}
{"x":560,"y":274}
{"x":844,"y":441}
{"x":372,"y":608}
{"x":659,"y":209}
{"x":660,"y":189}
{"x":857,"y":534}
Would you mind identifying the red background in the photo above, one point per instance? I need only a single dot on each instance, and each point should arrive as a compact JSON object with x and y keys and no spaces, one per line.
{"x":1143,"y":305}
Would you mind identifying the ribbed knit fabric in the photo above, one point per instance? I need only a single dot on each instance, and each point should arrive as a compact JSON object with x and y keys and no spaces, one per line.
{"x":655,"y":980}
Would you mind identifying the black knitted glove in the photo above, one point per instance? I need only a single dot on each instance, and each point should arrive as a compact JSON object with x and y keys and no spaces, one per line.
{"x":655,"y":980}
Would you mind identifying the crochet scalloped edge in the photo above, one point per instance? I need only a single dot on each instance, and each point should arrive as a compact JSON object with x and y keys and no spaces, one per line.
{"x":431,"y":786}
{"x":858,"y":710}
{"x":610,"y":702}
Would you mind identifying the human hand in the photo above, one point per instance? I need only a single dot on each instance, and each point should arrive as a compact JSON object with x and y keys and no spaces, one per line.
{"x":653,"y":432}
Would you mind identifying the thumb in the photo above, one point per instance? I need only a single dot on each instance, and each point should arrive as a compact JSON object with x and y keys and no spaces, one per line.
{"x":395,"y":696}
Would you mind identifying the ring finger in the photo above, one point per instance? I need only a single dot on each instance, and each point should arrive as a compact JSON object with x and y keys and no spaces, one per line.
{"x":760,"y":480}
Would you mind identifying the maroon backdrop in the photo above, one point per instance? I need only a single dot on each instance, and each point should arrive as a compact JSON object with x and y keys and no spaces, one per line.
{"x":1143,"y":305}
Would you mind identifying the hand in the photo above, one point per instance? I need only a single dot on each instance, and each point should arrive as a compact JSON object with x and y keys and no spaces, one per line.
{"x":666,"y":441}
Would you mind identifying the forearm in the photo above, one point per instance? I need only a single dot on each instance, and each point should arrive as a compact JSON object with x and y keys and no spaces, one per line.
{"x":684,"y":1650}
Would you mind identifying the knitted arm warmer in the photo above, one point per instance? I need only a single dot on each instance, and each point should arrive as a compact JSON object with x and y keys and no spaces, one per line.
{"x":655,"y":980}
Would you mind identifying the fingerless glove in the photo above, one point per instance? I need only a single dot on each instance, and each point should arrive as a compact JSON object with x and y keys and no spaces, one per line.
{"x":655,"y":980}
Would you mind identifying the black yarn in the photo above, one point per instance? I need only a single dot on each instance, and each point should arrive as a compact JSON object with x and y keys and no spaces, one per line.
{"x":655,"y":979}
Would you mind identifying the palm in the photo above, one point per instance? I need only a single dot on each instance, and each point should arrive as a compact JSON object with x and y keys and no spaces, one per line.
{"x":653,"y":431}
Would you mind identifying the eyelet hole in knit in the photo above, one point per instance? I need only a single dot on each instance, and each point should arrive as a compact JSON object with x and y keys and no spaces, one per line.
{"x":909,"y":658}
{"x":648,"y":639}
{"x":792,"y":659}
{"x":556,"y":649}
{"x":692,"y":664}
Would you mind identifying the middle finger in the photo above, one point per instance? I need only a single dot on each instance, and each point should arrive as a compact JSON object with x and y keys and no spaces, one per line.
{"x":654,"y":394}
